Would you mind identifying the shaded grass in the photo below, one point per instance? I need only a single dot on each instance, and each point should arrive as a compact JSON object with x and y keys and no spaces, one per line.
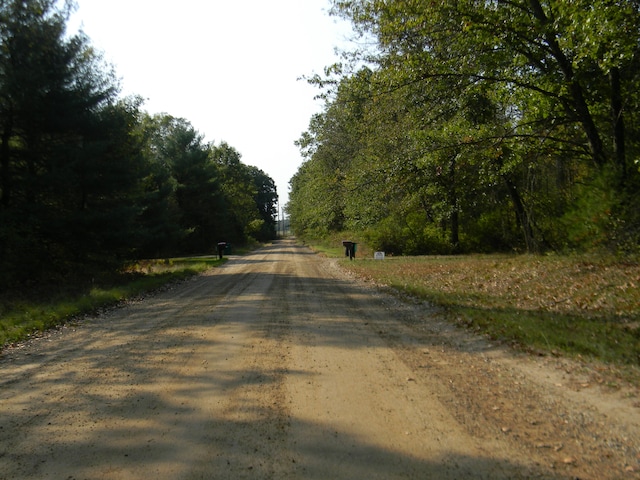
{"x":331,"y":246}
{"x":23,"y":314}
{"x":582,"y":306}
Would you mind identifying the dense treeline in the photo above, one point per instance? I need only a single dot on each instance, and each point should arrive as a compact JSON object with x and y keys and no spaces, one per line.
{"x":466,"y":125}
{"x":90,"y":180}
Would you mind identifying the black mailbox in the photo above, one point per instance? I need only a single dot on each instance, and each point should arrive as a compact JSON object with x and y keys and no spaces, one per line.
{"x":221,"y":248}
{"x":349,"y":249}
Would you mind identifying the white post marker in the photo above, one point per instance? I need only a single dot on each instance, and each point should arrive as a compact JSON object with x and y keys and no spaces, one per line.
{"x":378,"y":256}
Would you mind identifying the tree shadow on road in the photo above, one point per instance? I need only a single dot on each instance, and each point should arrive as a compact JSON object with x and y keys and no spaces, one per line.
{"x":193,"y":384}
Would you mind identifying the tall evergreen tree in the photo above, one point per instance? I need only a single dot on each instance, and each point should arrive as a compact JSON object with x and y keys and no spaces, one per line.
{"x":240,"y":210}
{"x":197,"y":188}
{"x":266,"y":199}
{"x":53,"y":90}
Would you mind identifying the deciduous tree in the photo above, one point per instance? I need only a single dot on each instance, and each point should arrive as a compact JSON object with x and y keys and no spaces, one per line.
{"x":530,"y":98}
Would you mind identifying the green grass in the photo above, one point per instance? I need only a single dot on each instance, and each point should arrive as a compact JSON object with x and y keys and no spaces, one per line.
{"x":25,"y":314}
{"x":579,"y":306}
{"x":332,"y":246}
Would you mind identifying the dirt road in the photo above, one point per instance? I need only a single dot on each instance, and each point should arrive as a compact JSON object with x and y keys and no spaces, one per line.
{"x":278,"y":365}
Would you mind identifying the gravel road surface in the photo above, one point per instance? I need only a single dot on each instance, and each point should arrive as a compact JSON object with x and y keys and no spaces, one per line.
{"x":280,"y":365}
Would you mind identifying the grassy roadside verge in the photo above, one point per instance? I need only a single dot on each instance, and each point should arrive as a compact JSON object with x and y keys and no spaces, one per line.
{"x":25,"y":314}
{"x":585,"y":307}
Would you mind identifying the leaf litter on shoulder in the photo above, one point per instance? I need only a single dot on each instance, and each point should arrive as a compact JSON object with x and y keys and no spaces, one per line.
{"x":579,"y":306}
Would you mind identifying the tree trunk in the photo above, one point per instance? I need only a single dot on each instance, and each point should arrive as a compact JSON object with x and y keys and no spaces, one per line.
{"x":5,"y":165}
{"x":522,"y":217}
{"x":576,"y":104}
{"x":453,"y":204}
{"x":618,"y":122}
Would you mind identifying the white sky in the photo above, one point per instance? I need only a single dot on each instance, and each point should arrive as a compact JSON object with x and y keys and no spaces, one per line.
{"x":229,"y":67}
